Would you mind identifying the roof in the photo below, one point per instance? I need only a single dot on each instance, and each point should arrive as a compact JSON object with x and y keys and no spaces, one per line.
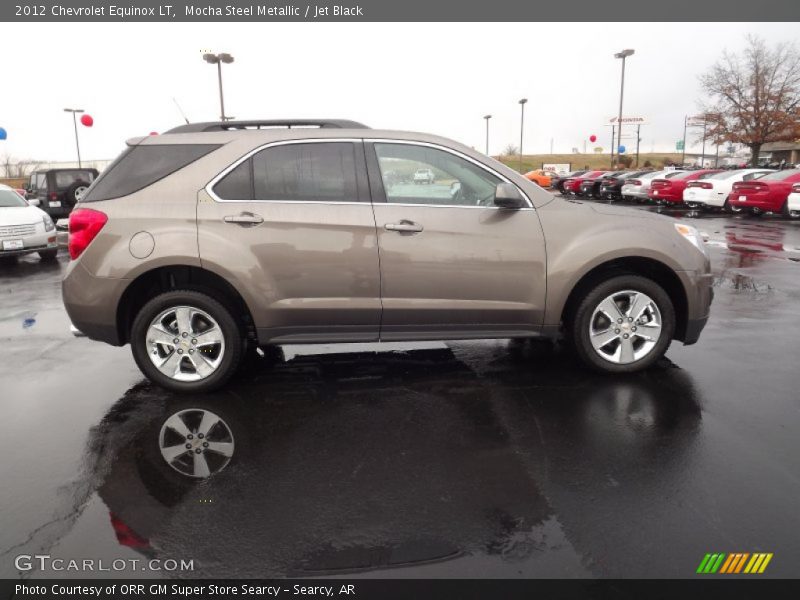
{"x":778,"y":146}
{"x":267,"y":124}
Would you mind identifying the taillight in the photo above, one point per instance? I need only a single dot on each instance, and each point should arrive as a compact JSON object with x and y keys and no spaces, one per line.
{"x":127,"y":536}
{"x":53,"y":196}
{"x":635,"y":181}
{"x":700,"y":184}
{"x":796,"y":188}
{"x":84,"y":225}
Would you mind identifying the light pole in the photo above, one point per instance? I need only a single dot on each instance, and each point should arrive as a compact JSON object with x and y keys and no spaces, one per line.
{"x":487,"y":117}
{"x":522,"y":103}
{"x":218,"y":59}
{"x":623,"y":55}
{"x":76,"y":111}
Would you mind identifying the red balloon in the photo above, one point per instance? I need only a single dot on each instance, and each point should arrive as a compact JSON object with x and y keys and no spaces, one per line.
{"x":87,"y":120}
{"x":153,"y":133}
{"x":592,"y":138}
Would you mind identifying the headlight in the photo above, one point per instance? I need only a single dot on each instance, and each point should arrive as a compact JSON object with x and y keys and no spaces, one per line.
{"x":693,"y":236}
{"x":48,"y":223}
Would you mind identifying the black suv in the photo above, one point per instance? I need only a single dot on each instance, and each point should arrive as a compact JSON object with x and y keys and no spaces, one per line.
{"x":57,"y":190}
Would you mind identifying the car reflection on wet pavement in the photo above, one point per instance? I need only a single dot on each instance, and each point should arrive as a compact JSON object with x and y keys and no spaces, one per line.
{"x":465,"y":459}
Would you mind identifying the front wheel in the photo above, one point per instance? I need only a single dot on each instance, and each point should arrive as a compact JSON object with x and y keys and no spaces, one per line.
{"x":186,"y":341}
{"x":623,"y":324}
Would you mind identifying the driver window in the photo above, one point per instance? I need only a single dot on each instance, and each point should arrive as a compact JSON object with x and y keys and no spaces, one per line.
{"x":423,"y":175}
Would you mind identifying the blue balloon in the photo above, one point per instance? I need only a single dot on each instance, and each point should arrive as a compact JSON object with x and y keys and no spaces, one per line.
{"x":3,"y":134}
{"x":621,"y":149}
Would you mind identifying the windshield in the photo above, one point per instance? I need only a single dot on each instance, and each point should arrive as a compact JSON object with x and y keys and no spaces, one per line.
{"x":780,"y":175}
{"x":10,"y":198}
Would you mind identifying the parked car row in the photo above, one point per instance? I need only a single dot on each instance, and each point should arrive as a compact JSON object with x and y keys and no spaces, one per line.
{"x":755,"y":190}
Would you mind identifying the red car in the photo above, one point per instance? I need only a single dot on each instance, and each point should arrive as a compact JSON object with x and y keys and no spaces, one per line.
{"x":671,"y":190}
{"x":767,"y":194}
{"x":573,"y":184}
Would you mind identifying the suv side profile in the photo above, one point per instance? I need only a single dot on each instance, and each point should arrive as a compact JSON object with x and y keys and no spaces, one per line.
{"x":56,"y":191}
{"x":199,"y":245}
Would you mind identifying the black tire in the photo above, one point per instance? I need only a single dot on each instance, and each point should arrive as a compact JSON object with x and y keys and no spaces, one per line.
{"x":48,"y":255}
{"x":728,"y":207}
{"x":72,"y":193}
{"x":580,"y":320}
{"x":231,"y":333}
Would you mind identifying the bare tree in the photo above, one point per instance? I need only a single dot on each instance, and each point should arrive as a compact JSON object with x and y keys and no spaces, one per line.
{"x":510,"y":150}
{"x":754,"y":98}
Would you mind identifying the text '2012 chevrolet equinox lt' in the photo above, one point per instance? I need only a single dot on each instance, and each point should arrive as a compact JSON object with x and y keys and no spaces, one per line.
{"x":199,"y":245}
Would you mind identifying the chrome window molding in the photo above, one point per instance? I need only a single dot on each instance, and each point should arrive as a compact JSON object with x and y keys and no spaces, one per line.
{"x":209,"y":187}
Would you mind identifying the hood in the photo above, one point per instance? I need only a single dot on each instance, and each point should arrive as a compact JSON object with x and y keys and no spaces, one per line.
{"x":20,"y":215}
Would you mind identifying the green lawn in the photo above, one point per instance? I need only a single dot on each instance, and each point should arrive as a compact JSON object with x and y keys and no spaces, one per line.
{"x":581,"y":161}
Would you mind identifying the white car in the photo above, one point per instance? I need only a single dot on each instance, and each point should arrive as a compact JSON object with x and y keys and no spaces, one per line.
{"x":712,"y":192}
{"x":793,"y":202}
{"x":424,"y":176}
{"x":24,"y":228}
{"x":637,"y":188}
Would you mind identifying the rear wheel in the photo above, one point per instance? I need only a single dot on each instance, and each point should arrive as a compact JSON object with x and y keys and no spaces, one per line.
{"x":186,"y":341}
{"x":623,"y":324}
{"x":728,"y":207}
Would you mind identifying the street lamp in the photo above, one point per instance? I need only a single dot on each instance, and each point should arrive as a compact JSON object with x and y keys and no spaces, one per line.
{"x":623,"y":55}
{"x":218,"y":59}
{"x":76,"y":111}
{"x":522,"y":103}
{"x":487,"y":117}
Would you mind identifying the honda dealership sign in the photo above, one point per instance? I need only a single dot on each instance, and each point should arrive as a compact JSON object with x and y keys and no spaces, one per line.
{"x":627,"y":121}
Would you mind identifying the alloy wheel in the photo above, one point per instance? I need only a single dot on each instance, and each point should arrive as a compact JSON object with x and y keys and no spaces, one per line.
{"x":196,"y":442}
{"x":625,"y":327}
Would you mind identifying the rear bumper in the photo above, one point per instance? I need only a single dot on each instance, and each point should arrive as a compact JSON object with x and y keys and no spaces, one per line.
{"x":91,"y":303}
{"x":763,"y":203}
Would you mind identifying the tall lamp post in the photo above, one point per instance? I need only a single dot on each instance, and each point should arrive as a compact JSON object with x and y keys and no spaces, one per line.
{"x":218,"y":59}
{"x":487,"y":117}
{"x":522,"y":103}
{"x":75,"y":112}
{"x":623,"y":55}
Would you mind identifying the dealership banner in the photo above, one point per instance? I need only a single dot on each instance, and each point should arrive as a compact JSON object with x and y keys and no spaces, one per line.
{"x":392,"y":10}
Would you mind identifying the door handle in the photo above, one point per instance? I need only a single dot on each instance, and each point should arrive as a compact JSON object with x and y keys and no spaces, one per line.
{"x":244,"y":219}
{"x":404,"y":227}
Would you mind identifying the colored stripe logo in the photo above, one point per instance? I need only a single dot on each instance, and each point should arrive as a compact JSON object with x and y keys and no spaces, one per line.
{"x":734,"y":563}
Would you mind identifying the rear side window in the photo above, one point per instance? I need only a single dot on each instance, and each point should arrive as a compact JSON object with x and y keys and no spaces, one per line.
{"x":323,"y":172}
{"x":141,"y":166}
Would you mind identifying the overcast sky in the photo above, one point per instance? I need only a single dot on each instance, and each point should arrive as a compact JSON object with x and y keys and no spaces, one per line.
{"x":437,"y":78}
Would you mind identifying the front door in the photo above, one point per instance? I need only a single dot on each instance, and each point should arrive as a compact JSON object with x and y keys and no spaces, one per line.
{"x":292,"y":228}
{"x":453,"y":265}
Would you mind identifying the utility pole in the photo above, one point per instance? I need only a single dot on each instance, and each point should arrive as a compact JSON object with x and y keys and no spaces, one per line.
{"x":613,"y":131}
{"x":521,"y":129}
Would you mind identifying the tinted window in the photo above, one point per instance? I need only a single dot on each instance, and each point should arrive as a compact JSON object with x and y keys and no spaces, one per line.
{"x":323,"y":171}
{"x":238,"y":184}
{"x":780,"y":175}
{"x":64,"y":179}
{"x":141,"y":166}
{"x":455,"y":182}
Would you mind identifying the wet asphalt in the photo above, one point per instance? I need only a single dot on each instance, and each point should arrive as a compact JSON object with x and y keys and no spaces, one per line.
{"x":464,"y":459}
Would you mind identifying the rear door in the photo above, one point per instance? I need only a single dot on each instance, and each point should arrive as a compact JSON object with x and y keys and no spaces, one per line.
{"x":291,"y":224}
{"x":453,"y":265}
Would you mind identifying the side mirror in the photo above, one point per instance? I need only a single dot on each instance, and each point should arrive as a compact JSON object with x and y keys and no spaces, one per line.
{"x":506,"y":195}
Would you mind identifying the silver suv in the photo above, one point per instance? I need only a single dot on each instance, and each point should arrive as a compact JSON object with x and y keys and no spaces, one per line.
{"x":200,"y":245}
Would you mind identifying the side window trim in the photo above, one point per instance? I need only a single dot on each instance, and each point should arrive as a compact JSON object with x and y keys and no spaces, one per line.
{"x":361,"y":182}
{"x":379,"y":192}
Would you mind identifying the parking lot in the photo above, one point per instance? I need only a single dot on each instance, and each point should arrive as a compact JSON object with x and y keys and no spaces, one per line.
{"x":472,"y":459}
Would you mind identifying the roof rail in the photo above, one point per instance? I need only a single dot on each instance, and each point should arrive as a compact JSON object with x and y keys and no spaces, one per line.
{"x":270,"y":124}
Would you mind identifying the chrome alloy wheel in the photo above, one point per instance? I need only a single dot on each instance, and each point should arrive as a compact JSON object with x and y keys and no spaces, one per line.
{"x":185,"y":343}
{"x":625,"y":327}
{"x":196,"y":442}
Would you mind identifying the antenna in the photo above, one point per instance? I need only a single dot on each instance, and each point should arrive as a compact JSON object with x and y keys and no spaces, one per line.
{"x":180,"y":110}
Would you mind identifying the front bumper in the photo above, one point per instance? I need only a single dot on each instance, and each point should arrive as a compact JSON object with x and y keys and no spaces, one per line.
{"x":47,"y":240}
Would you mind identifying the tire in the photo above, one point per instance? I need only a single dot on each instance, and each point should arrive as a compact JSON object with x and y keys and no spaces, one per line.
{"x":618,"y":356}
{"x":74,"y":192}
{"x":728,"y":207}
{"x":48,"y":255}
{"x":203,"y":316}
